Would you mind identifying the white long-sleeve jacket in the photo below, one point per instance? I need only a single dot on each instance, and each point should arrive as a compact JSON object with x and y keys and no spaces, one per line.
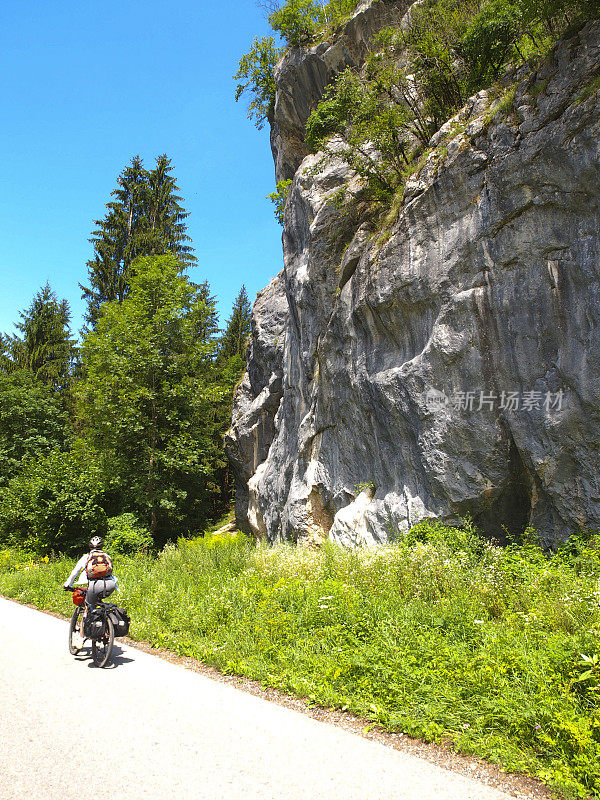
{"x":79,"y":569}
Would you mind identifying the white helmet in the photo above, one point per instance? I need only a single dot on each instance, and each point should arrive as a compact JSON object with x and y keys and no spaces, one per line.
{"x":96,"y":543}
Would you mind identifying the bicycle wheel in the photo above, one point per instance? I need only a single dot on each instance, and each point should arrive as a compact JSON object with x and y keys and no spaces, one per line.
{"x":74,"y":632}
{"x":102,"y":648}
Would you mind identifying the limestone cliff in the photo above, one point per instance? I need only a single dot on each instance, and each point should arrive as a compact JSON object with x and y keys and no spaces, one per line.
{"x":383,"y":379}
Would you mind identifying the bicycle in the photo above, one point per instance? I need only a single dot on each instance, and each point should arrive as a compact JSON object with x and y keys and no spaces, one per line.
{"x":102,"y":645}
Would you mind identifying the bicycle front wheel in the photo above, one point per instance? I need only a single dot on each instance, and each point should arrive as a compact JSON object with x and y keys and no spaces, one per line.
{"x":73,"y":632}
{"x":102,"y":648}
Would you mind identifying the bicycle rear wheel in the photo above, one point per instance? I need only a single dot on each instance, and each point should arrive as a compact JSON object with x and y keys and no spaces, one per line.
{"x":102,"y":648}
{"x":74,"y":632}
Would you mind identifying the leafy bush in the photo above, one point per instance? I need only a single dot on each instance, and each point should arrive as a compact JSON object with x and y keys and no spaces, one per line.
{"x":255,"y":75}
{"x":301,"y":21}
{"x":297,"y":21}
{"x":490,"y":40}
{"x":279,"y":198}
{"x":375,"y":129}
{"x":55,"y":503}
{"x":127,"y":536}
{"x":334,"y":112}
{"x":32,"y":421}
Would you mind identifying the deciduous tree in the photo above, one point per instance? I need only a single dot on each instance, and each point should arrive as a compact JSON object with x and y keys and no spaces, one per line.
{"x":150,"y":394}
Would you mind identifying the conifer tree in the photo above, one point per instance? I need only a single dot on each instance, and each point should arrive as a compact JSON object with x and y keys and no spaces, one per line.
{"x":239,"y":325}
{"x":45,"y":346}
{"x":145,"y":218}
{"x":165,"y":228}
{"x":7,"y":363}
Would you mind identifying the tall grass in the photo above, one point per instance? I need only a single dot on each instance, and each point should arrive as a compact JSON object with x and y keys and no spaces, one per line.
{"x":441,"y":636}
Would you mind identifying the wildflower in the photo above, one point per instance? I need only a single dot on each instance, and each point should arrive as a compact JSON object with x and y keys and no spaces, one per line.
{"x":537,"y":727}
{"x":478,"y":621}
{"x":466,"y":725}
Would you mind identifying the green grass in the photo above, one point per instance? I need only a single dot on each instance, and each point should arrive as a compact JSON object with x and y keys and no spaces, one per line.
{"x":588,"y":91}
{"x":441,"y":636}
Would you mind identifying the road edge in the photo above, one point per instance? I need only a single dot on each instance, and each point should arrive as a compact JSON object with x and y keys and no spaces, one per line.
{"x":523,"y":787}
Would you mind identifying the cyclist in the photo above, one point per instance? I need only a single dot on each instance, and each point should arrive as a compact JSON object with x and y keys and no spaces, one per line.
{"x":97,"y":588}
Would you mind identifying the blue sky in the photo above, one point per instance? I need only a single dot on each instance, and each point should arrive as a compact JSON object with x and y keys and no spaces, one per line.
{"x":87,"y":85}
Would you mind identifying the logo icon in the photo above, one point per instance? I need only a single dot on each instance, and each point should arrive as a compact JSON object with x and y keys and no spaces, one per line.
{"x":435,"y":400}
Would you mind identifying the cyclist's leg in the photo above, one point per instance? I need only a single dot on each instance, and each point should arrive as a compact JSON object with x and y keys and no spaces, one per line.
{"x":103,"y":587}
{"x":110,"y":584}
{"x":93,"y":594}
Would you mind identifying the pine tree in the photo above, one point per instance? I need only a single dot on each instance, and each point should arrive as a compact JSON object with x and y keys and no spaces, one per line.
{"x":165,"y":229}
{"x":145,"y":218}
{"x":45,"y":346}
{"x":7,"y":362}
{"x":239,"y":326}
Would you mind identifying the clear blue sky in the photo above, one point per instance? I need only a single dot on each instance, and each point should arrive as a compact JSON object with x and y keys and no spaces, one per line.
{"x":87,"y":85}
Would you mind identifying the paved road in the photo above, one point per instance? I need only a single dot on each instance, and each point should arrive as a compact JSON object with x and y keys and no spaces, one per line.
{"x":150,"y":729}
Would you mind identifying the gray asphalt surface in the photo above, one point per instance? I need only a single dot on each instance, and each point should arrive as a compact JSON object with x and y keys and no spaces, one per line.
{"x":150,"y":729}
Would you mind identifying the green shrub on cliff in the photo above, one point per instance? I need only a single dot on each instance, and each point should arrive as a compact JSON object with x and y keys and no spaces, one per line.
{"x":279,"y":198}
{"x":255,"y":75}
{"x":414,"y":80}
{"x":299,"y":22}
{"x":296,"y":21}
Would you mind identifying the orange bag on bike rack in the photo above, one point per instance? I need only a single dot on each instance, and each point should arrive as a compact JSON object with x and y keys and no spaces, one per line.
{"x":78,"y":597}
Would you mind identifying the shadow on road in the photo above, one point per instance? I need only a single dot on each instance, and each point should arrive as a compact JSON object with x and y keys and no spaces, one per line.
{"x":117,"y":659}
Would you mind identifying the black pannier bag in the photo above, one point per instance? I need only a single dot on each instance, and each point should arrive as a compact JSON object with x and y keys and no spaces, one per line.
{"x":120,"y":620}
{"x":94,"y":624}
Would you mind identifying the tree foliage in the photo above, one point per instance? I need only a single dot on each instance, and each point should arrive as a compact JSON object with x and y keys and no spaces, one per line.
{"x":255,"y":75}
{"x":238,"y":328}
{"x":149,"y":393}
{"x":145,"y":218}
{"x":298,"y":22}
{"x":55,"y":502}
{"x":45,"y":346}
{"x":32,"y":422}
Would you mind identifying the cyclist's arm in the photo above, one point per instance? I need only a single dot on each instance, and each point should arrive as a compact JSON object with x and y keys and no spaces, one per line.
{"x":77,"y":570}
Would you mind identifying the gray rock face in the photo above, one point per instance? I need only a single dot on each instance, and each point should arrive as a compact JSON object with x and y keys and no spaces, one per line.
{"x":258,"y":396}
{"x":355,"y":419}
